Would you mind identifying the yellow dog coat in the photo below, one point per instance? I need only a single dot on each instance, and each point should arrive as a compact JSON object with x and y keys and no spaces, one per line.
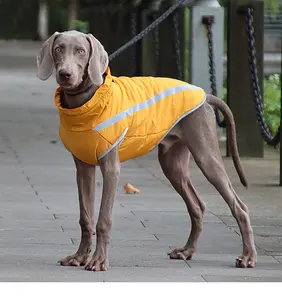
{"x":135,"y":113}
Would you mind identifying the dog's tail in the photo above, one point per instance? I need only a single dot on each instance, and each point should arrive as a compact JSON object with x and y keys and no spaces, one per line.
{"x":231,"y":132}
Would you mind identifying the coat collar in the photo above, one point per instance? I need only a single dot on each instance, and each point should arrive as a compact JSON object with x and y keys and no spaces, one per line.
{"x":95,"y":104}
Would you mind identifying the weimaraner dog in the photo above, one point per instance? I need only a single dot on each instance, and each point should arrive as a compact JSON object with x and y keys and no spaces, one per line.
{"x":80,"y":62}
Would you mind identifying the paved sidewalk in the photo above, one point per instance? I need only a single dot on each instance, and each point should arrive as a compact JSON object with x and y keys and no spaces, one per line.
{"x":39,"y":207}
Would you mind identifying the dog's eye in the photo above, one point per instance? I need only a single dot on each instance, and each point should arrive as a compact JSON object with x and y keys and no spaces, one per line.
{"x":81,"y":51}
{"x":57,"y":49}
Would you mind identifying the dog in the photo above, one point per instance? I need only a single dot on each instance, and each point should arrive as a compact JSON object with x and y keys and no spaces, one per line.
{"x":86,"y":85}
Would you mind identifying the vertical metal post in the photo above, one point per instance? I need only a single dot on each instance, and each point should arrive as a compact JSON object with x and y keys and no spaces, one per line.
{"x":199,"y":69}
{"x":199,"y":56}
{"x":239,"y":82}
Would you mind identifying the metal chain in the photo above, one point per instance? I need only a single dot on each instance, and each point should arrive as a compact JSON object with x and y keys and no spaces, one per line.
{"x":156,"y":38}
{"x":147,"y":29}
{"x":265,"y":132}
{"x":133,"y":34}
{"x":208,"y":21}
{"x":177,"y":45}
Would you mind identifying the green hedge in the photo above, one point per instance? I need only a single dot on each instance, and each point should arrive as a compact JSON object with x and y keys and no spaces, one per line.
{"x":272,"y":101}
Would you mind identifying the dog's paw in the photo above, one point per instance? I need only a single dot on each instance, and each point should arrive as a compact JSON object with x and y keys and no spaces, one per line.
{"x":246,"y":261}
{"x":98,"y":263}
{"x":75,"y":260}
{"x":182,"y":253}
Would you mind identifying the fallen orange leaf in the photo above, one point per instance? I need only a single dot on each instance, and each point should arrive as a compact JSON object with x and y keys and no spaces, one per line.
{"x":130,"y":189}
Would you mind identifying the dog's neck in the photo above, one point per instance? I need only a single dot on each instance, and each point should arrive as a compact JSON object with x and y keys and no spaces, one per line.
{"x":79,"y":96}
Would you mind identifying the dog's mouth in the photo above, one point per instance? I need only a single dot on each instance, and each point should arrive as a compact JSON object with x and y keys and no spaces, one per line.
{"x":68,"y":84}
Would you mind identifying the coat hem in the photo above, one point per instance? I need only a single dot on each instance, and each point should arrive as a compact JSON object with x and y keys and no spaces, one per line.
{"x":182,"y":117}
{"x":117,"y":142}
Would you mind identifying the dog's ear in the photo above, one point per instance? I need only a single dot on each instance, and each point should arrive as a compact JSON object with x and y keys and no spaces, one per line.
{"x":45,"y":62}
{"x":98,"y":60}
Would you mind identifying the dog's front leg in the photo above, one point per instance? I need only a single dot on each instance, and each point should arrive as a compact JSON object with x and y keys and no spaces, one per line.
{"x":85,"y":176}
{"x":110,"y":168}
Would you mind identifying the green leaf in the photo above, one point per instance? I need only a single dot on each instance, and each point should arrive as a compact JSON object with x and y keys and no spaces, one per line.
{"x":272,"y":101}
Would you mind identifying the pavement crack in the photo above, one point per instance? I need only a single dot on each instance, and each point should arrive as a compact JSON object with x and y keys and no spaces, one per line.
{"x":21,"y":165}
{"x":143,"y":224}
{"x":186,"y":262}
{"x":222,"y":221}
{"x":234,"y":229}
{"x":276,"y":259}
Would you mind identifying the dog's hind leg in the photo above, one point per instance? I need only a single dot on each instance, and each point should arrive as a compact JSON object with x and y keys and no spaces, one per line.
{"x":174,"y":163}
{"x":199,"y":135}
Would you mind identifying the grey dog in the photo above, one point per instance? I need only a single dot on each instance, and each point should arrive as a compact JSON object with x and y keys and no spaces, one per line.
{"x":80,"y":62}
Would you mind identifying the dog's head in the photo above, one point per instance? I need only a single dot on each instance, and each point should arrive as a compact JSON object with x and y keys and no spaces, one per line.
{"x":74,"y":55}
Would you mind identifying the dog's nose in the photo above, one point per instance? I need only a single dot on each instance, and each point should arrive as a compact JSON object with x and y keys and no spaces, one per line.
{"x":64,"y":74}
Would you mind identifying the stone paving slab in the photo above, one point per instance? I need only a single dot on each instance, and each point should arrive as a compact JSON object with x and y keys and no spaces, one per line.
{"x":32,"y":238}
{"x":271,"y":243}
{"x":214,"y":278}
{"x":124,"y":274}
